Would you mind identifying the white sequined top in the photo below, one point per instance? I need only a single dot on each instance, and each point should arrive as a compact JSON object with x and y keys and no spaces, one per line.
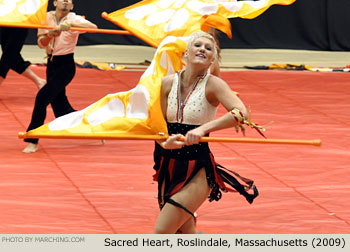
{"x":195,"y":108}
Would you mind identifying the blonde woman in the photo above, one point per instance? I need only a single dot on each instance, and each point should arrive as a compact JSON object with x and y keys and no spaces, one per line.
{"x":186,"y":171}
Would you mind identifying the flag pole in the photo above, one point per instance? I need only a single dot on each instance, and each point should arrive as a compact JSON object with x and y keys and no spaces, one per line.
{"x":89,"y":30}
{"x":103,"y":136}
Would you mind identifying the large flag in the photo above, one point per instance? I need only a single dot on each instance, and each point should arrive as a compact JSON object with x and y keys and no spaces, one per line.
{"x":165,"y":24}
{"x":153,"y":20}
{"x":134,"y":112}
{"x":23,"y":12}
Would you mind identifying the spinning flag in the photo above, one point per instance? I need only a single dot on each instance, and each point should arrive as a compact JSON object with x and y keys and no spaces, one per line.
{"x":23,"y":12}
{"x":165,"y":24}
{"x":135,"y":112}
{"x":153,"y":20}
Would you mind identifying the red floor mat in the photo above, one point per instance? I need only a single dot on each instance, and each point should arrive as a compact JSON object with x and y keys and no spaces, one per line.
{"x":82,"y":186}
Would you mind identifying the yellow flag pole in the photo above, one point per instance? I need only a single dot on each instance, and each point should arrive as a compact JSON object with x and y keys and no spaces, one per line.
{"x":89,"y":30}
{"x":103,"y":136}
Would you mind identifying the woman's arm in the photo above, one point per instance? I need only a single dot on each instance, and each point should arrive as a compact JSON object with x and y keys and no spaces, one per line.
{"x":218,"y":92}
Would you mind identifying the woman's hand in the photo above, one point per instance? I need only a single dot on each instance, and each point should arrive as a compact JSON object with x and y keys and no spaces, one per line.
{"x":240,"y":127}
{"x":172,"y":142}
{"x":192,"y":136}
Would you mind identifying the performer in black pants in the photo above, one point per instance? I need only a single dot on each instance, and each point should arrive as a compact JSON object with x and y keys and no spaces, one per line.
{"x":12,"y":40}
{"x":60,"y":45}
{"x":60,"y":71}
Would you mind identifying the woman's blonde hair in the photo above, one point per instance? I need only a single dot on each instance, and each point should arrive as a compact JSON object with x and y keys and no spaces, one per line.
{"x":201,"y":34}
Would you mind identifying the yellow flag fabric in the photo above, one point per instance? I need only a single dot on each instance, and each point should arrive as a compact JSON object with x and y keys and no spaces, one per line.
{"x":14,"y":12}
{"x":136,"y":112}
{"x":153,"y":20}
{"x":167,"y":25}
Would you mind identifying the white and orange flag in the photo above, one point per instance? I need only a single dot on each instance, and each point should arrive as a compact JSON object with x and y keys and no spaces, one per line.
{"x":153,"y":20}
{"x":166,"y":24}
{"x":134,"y":112}
{"x":23,"y":12}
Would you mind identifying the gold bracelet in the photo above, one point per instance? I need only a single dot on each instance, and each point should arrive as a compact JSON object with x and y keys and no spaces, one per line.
{"x":238,"y":115}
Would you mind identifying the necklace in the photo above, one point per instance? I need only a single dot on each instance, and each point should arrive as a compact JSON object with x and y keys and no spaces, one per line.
{"x":182,"y":103}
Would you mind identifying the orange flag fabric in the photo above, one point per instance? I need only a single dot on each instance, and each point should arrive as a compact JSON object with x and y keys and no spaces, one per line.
{"x":134,"y":112}
{"x":167,"y":25}
{"x":153,"y":20}
{"x":22,"y":12}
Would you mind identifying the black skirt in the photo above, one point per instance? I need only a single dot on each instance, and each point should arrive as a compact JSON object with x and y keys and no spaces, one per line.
{"x":175,"y":168}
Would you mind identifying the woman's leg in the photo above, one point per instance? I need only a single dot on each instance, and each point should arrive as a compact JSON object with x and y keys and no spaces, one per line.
{"x":189,"y":227}
{"x":191,"y":196}
{"x":39,"y":82}
{"x":12,"y":40}
{"x":5,"y":40}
